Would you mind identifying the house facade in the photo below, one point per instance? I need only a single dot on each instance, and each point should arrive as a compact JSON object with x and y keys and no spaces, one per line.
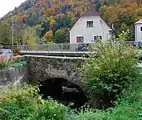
{"x":89,"y":27}
{"x":138,"y":31}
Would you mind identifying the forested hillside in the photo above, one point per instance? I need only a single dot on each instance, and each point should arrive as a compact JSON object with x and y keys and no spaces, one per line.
{"x":43,"y":21}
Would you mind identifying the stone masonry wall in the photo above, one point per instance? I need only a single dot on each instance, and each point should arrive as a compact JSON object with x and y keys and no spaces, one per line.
{"x":40,"y":68}
{"x":12,"y":75}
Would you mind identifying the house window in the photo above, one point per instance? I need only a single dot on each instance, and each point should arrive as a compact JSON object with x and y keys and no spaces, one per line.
{"x":80,"y":39}
{"x":89,"y":23}
{"x":110,"y":35}
{"x":97,"y":38}
{"x":110,"y":32}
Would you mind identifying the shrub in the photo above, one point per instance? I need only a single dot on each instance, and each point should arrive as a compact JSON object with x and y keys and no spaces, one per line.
{"x":16,"y":52}
{"x":25,"y":104}
{"x":3,"y":63}
{"x":128,"y":106}
{"x":106,"y":75}
{"x":12,"y":62}
{"x":90,"y":115}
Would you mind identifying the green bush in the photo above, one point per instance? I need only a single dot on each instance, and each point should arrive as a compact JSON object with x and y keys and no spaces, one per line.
{"x":128,"y":106}
{"x":109,"y":70}
{"x":125,"y":111}
{"x":17,"y":62}
{"x":90,"y":115}
{"x":3,"y":65}
{"x":25,"y":104}
{"x":12,"y":62}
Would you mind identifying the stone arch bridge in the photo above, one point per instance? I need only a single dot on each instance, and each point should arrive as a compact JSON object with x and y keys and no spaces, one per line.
{"x":41,"y":68}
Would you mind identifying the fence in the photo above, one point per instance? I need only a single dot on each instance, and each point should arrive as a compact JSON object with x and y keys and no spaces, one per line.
{"x":64,"y":46}
{"x":53,"y":47}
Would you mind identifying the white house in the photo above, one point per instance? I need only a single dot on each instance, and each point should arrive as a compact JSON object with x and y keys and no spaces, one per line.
{"x":89,"y":27}
{"x":138,"y":31}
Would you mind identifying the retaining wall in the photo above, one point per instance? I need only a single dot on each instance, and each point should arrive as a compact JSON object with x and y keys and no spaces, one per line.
{"x":13,"y":75}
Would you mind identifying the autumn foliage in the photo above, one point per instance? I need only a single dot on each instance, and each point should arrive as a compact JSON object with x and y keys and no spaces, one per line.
{"x":49,"y":16}
{"x":123,"y":15}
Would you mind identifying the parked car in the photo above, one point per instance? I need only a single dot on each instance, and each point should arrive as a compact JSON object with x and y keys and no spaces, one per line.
{"x":82,"y":47}
{"x":137,"y":44}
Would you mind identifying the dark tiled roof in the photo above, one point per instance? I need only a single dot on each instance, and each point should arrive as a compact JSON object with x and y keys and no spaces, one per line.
{"x":91,"y":12}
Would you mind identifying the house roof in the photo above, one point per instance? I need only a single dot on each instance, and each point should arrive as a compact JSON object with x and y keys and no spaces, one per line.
{"x":92,"y":12}
{"x":139,"y":22}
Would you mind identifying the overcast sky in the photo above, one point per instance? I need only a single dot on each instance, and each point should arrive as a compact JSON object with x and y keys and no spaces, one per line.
{"x":8,"y":5}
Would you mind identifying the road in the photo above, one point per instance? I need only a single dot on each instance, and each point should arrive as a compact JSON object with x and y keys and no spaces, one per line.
{"x":6,"y":53}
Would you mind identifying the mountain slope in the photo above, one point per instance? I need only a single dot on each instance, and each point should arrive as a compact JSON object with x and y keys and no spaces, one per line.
{"x":45,"y":15}
{"x":50,"y":20}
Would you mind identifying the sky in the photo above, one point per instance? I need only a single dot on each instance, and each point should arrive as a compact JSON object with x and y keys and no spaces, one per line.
{"x":8,"y":5}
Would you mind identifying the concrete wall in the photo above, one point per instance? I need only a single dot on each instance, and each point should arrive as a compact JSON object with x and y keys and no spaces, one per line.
{"x":100,"y":28}
{"x":13,"y":75}
{"x":41,"y":68}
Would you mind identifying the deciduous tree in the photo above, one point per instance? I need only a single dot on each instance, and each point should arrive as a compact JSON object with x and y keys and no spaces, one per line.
{"x":30,"y":36}
{"x":49,"y":35}
{"x":5,"y":34}
{"x":60,"y":36}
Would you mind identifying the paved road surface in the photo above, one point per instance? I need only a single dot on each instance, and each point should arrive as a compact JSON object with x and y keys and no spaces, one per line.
{"x":6,"y":53}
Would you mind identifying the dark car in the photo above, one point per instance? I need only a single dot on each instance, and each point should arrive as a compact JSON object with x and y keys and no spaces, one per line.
{"x":137,"y":44}
{"x":82,"y":47}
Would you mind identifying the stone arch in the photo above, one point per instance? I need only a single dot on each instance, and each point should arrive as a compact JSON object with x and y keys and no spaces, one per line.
{"x":63,"y":91}
{"x":71,"y":75}
{"x":44,"y":67}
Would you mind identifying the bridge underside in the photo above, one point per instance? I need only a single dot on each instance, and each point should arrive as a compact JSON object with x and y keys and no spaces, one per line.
{"x":63,"y":91}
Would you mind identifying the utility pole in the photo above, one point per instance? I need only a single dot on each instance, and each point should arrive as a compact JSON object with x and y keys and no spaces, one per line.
{"x":12,"y":36}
